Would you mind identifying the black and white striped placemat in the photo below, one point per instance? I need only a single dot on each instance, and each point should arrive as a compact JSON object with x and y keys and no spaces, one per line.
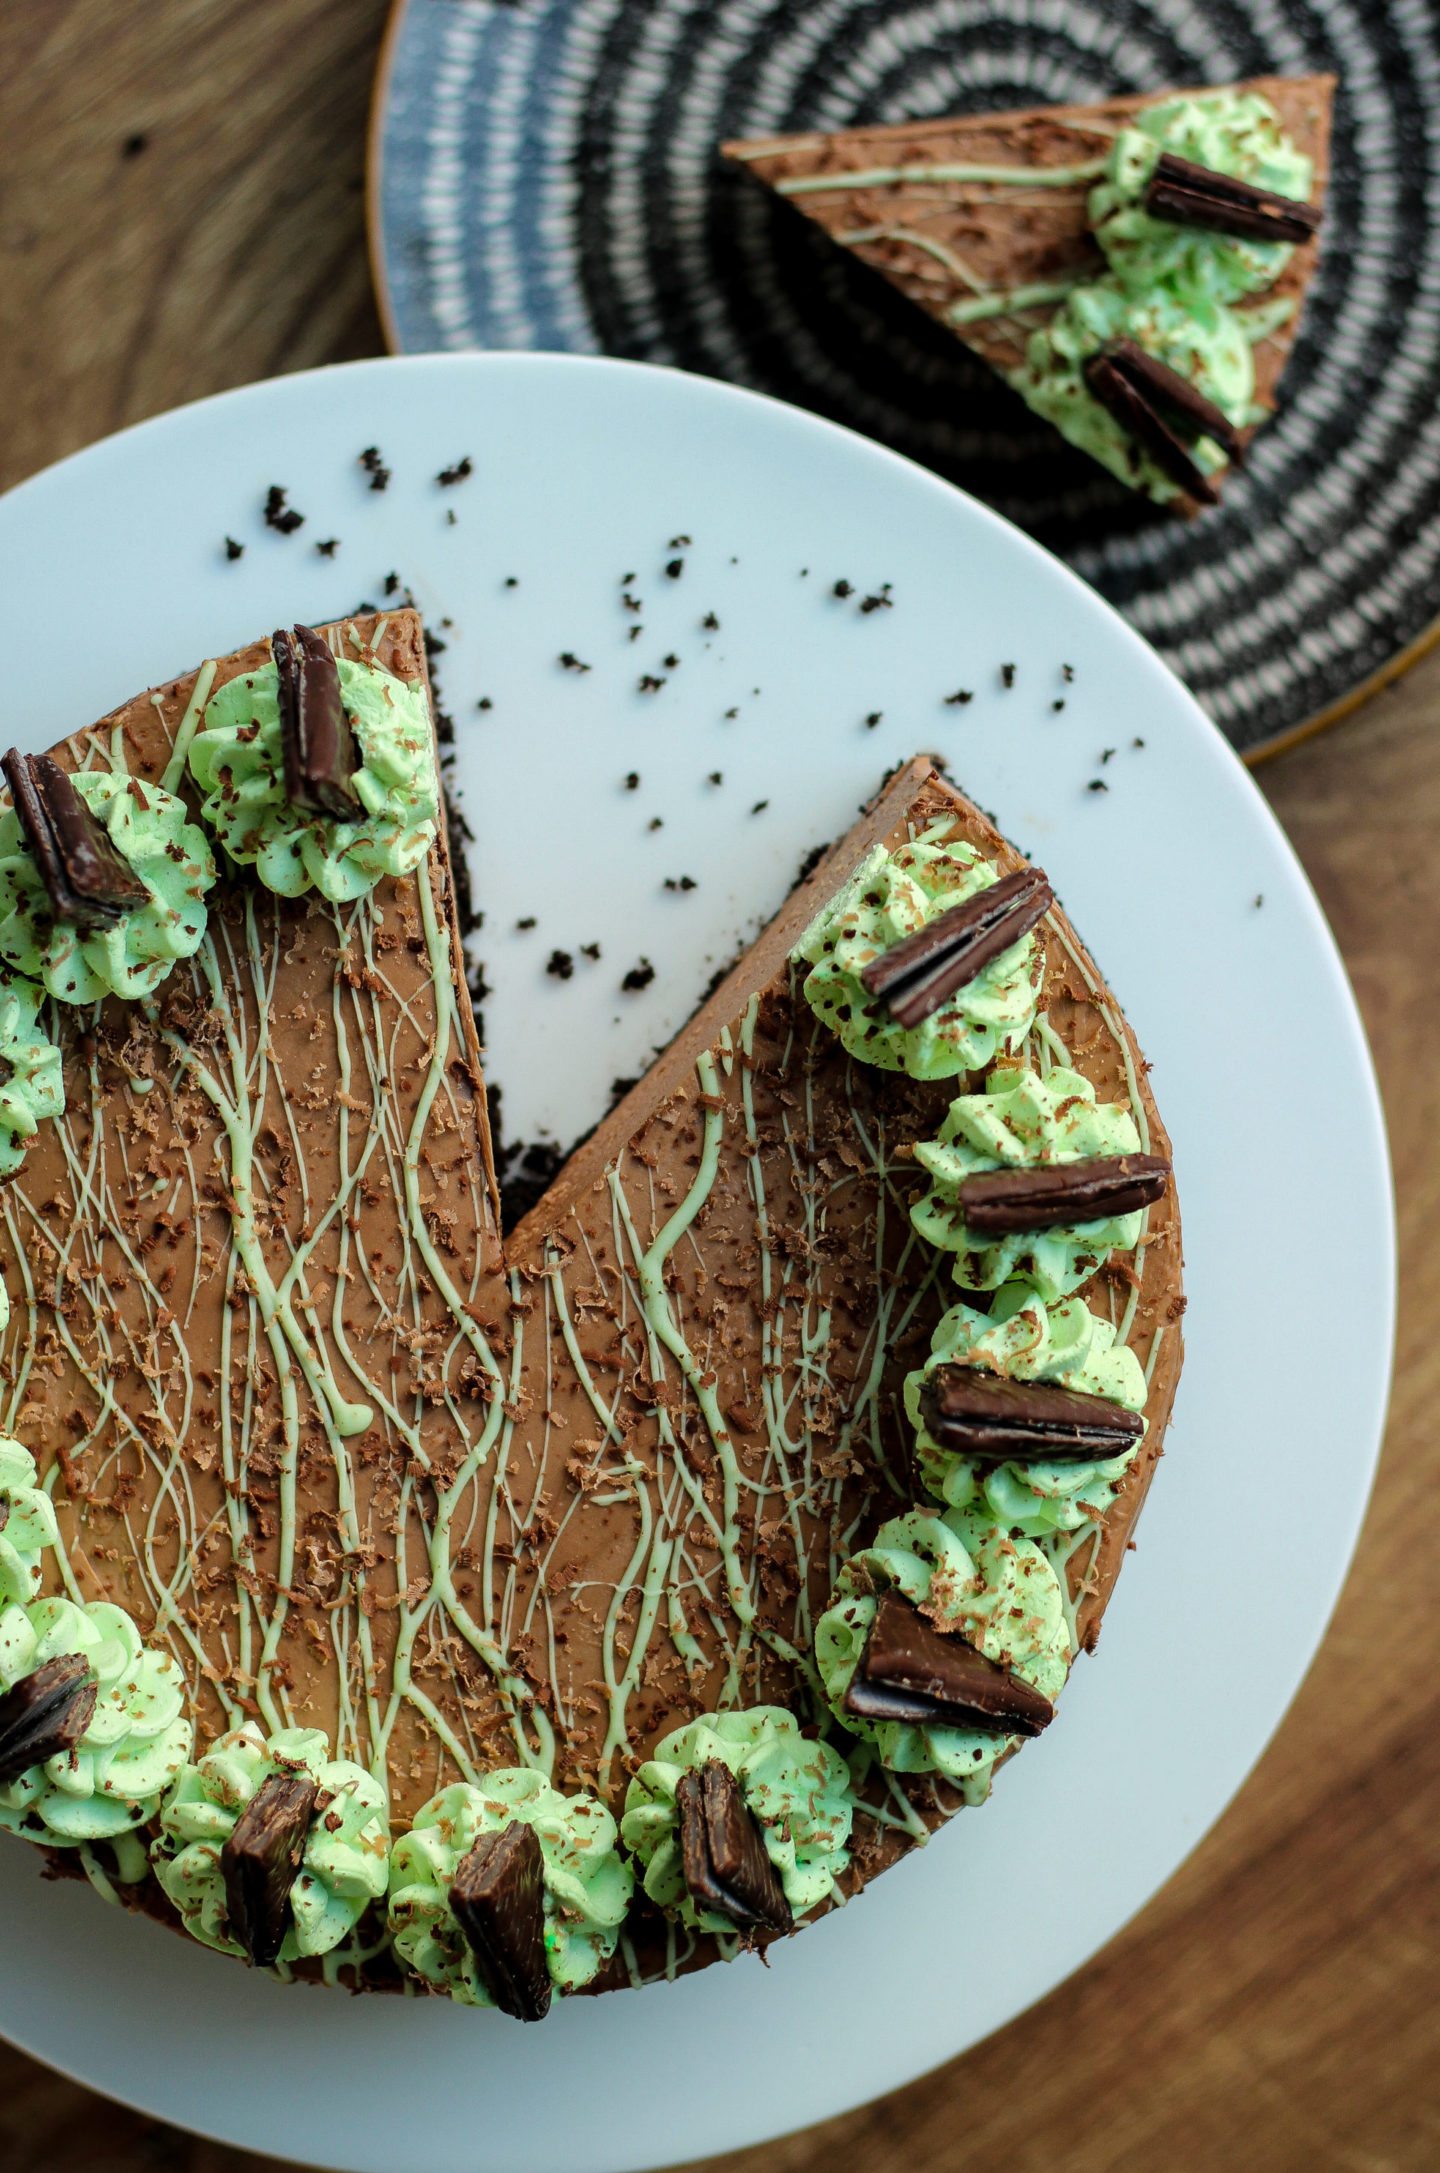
{"x":549,"y":179}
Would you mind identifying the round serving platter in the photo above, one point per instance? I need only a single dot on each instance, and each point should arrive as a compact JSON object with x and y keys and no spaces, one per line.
{"x":545,"y":176}
{"x":570,"y":478}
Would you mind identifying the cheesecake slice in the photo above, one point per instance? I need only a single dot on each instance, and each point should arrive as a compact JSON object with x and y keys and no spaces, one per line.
{"x":1045,"y":239}
{"x":381,"y":1535}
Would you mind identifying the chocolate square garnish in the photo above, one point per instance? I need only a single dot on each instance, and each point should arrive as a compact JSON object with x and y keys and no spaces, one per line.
{"x":317,"y":743}
{"x":261,"y":1862}
{"x":88,"y":883}
{"x":915,"y":976}
{"x":1001,"y":1421}
{"x":911,"y":1671}
{"x":998,"y":1203}
{"x":726,"y":1863}
{"x":497,"y":1897}
{"x":44,"y":1713}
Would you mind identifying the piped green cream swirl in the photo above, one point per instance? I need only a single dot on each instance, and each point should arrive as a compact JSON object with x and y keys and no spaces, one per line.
{"x":969,"y":1576}
{"x":344,"y":1866}
{"x":588,"y":1884}
{"x":1172,"y":289}
{"x":894,"y":895}
{"x":27,"y":1525}
{"x":236,"y":760}
{"x":1023,"y":1121}
{"x":151,"y":830}
{"x":798,"y":1791}
{"x":137,"y":1741}
{"x":1027,"y":1340}
{"x":32,"y":1087}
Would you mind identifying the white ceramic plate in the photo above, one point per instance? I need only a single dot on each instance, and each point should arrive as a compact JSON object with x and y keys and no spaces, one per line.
{"x":583,"y":471}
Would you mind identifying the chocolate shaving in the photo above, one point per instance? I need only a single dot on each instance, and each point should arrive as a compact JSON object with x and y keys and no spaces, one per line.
{"x":316,"y":741}
{"x":497,"y":1897}
{"x":1001,"y":1421}
{"x":912,"y":1672}
{"x":261,"y":1861}
{"x":915,"y":976}
{"x":1185,"y":194}
{"x":722,"y":1849}
{"x":45,"y":1713}
{"x":996,"y":1203}
{"x":1132,"y":409}
{"x":88,"y":883}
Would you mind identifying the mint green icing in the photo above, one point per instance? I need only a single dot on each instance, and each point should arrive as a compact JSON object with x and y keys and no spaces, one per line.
{"x":136,"y":1743}
{"x":1028,"y":1340}
{"x":31,"y":1085}
{"x":893,"y":895}
{"x":150,"y":829}
{"x":1024,"y":1121}
{"x":588,"y":1884}
{"x":236,"y":760}
{"x":798,"y":1790}
{"x":346,"y":1857}
{"x":27,"y":1524}
{"x":1172,"y":289}
{"x":998,"y":1592}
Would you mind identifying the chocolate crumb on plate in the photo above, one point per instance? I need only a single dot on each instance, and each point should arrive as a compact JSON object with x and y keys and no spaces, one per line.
{"x":457,"y":473}
{"x":278,"y":515}
{"x":233,"y":550}
{"x":375,"y":467}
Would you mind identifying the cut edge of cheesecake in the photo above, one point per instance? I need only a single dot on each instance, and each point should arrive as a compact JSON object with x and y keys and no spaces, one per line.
{"x":1005,"y":239}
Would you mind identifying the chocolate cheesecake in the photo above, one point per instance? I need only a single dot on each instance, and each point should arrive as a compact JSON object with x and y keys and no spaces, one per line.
{"x":1135,"y":268}
{"x":399,"y":1561}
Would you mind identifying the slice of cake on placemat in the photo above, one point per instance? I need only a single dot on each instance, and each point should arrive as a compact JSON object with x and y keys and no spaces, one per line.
{"x":385,"y":1600}
{"x":1135,"y":269}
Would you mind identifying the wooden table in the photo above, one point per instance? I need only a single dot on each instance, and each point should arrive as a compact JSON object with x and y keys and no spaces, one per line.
{"x":181,"y":210}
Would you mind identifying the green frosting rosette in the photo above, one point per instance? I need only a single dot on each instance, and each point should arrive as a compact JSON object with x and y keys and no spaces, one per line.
{"x":236,"y":760}
{"x":1236,"y":133}
{"x":997,"y":1592}
{"x":799,"y":1791}
{"x":1030,"y":1341}
{"x":1171,"y":289}
{"x":150,"y":830}
{"x":588,"y":1884}
{"x":31,"y":1085}
{"x":27,"y":1525}
{"x":1022,"y":1121}
{"x":347,"y":1849}
{"x":136,"y":1743}
{"x":893,"y":895}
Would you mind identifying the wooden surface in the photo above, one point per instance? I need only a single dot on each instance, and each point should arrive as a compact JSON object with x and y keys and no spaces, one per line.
{"x":1275,"y":2008}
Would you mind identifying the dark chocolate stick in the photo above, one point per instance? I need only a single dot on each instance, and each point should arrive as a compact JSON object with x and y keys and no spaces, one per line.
{"x":88,"y":883}
{"x":985,"y":1415}
{"x":317,"y":744}
{"x":1130,"y":408}
{"x":46,"y":1712}
{"x":996,"y":1203}
{"x":910,"y":1671}
{"x":1180,"y":404}
{"x":1185,"y":194}
{"x":915,"y":976}
{"x":497,"y":1897}
{"x":723,"y":1855}
{"x":261,"y":1862}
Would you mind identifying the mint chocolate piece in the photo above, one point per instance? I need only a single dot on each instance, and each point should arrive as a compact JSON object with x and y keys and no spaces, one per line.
{"x":497,"y":1897}
{"x":912,"y":1672}
{"x":1000,"y":1421}
{"x":1133,"y":408}
{"x":89,"y":884}
{"x":1183,"y":407}
{"x":997,"y":1203}
{"x":46,"y":1712}
{"x":261,"y":1862}
{"x":915,"y":976}
{"x":317,"y":744}
{"x":722,"y":1849}
{"x":1185,"y":194}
